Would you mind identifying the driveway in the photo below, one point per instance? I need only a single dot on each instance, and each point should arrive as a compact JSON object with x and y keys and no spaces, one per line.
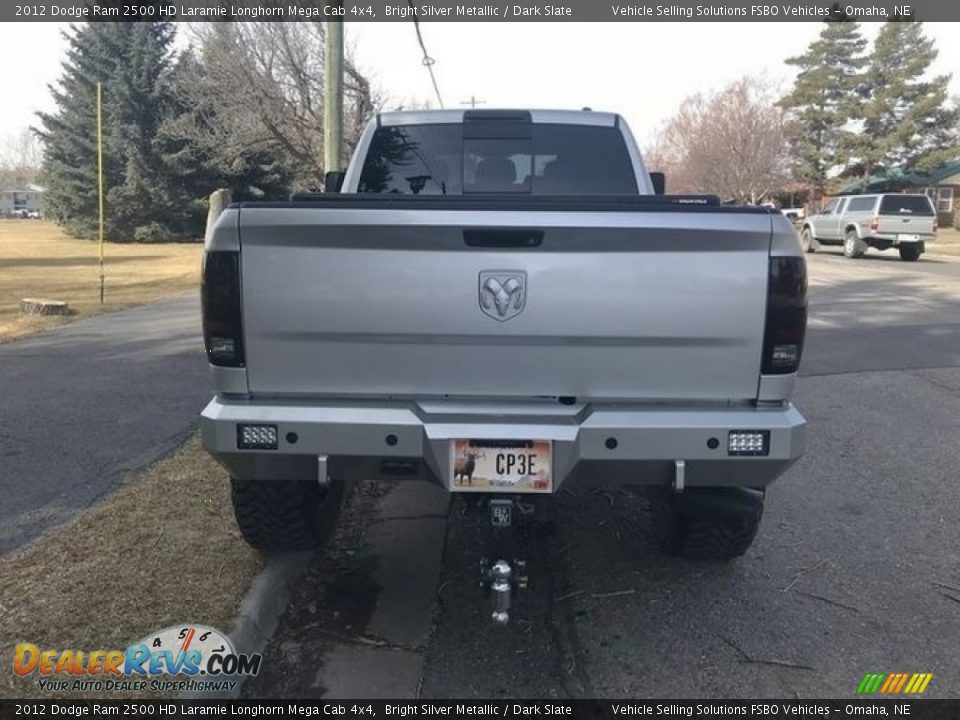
{"x":86,"y":404}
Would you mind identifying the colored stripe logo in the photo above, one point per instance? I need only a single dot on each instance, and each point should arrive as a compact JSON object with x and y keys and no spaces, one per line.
{"x":894,"y":683}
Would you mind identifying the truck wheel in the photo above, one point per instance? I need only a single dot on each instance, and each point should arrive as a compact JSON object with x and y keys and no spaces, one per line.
{"x":853,"y":246}
{"x":284,"y":515}
{"x":808,"y":242}
{"x":712,"y":523}
{"x":910,"y":253}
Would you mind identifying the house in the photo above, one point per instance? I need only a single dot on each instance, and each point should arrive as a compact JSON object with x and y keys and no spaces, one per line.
{"x":21,"y":199}
{"x":941,"y":185}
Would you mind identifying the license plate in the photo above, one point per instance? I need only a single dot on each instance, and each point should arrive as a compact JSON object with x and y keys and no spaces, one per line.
{"x":507,"y":466}
{"x":907,"y":238}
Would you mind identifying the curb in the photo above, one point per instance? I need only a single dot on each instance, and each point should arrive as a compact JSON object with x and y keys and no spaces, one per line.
{"x":260,"y":611}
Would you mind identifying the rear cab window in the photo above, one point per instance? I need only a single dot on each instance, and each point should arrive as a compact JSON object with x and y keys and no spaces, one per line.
{"x":913,"y":205}
{"x":862,"y":204}
{"x":498,"y":157}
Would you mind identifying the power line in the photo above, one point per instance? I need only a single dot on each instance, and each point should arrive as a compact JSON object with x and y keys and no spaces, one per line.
{"x":428,"y":62}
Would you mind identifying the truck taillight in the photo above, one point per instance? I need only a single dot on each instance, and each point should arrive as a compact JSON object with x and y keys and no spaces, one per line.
{"x":874,"y":224}
{"x":786,"y":323}
{"x":220,"y":299}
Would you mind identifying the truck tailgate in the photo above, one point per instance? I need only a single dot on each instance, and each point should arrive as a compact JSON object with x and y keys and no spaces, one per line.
{"x":640,"y":305}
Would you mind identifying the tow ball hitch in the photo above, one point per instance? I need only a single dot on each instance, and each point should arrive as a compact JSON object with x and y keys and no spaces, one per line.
{"x":500,"y":577}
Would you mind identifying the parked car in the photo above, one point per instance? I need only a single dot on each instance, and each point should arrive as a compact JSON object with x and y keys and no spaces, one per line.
{"x":508,"y":281}
{"x":857,"y":222}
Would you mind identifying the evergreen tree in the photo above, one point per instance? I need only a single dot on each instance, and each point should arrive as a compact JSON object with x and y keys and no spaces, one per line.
{"x":69,"y":135}
{"x":823,"y":101}
{"x":207,"y":153}
{"x":145,"y":199}
{"x":906,"y":121}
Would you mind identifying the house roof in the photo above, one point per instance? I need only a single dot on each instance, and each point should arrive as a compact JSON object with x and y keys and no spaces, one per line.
{"x":896,"y":179}
{"x":28,"y":187}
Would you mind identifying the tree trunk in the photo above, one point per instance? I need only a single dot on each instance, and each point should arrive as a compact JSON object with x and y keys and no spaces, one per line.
{"x":219,"y":200}
{"x":37,"y":306}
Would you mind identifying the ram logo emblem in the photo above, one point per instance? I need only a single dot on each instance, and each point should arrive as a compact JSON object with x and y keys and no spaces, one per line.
{"x":503,"y":293}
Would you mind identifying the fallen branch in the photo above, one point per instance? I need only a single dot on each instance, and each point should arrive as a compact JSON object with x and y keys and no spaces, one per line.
{"x":159,"y":537}
{"x":734,"y":646}
{"x":777,"y":663}
{"x":758,"y":661}
{"x":948,"y":595}
{"x":806,"y":572}
{"x":947,"y":587}
{"x":613,"y":594}
{"x":828,"y":600}
{"x":569,"y":595}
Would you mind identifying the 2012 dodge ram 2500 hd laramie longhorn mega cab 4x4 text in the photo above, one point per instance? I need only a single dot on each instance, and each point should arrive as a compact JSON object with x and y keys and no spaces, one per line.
{"x":499,"y":302}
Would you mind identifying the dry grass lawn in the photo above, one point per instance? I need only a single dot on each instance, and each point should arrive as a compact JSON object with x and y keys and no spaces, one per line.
{"x":38,"y":260}
{"x":161,"y":551}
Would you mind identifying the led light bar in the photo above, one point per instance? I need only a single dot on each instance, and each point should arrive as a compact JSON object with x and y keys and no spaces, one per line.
{"x":748,"y":442}
{"x":257,"y":437}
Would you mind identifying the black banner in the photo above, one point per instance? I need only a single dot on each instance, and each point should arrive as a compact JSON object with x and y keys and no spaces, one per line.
{"x":673,"y":709}
{"x":480,"y":10}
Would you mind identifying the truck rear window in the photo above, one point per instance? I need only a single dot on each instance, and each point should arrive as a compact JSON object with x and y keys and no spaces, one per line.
{"x":554,"y":160}
{"x":906,"y":205}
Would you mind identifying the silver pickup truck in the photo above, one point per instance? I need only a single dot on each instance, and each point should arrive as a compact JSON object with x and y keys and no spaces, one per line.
{"x":500,"y":303}
{"x":857,"y":222}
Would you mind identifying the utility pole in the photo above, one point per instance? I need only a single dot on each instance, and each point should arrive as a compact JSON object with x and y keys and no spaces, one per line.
{"x":473,"y":101}
{"x":333,"y":92}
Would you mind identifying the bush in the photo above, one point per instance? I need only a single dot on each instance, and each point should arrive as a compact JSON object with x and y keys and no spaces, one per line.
{"x":152,"y":233}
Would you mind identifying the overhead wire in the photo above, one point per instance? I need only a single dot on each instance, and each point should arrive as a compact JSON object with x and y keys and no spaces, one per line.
{"x":428,"y":62}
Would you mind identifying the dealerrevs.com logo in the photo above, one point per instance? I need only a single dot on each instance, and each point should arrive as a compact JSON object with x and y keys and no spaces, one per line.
{"x":204,"y":655}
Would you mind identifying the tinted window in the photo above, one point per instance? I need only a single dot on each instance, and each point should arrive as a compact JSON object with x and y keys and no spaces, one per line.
{"x":554,"y":160}
{"x":906,"y":205}
{"x":864,"y":204}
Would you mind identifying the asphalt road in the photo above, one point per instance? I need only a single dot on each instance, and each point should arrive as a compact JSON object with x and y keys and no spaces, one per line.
{"x":855,"y":569}
{"x":84,"y":405}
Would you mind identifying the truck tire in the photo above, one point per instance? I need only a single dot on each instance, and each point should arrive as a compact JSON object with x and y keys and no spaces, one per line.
{"x":910,"y":253}
{"x":285,"y":515}
{"x":711,"y":523}
{"x":853,"y":246}
{"x":808,"y":241}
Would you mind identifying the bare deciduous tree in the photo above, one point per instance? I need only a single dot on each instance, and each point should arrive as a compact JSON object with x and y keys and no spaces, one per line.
{"x":730,"y":144}
{"x":259,"y":87}
{"x":20,"y":158}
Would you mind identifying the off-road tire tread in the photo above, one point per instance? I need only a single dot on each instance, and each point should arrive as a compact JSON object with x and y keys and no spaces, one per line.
{"x":284,"y":515}
{"x":703,"y":539}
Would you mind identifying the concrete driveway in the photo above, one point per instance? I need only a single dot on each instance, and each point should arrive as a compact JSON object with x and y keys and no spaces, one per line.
{"x":86,"y":404}
{"x":855,"y":569}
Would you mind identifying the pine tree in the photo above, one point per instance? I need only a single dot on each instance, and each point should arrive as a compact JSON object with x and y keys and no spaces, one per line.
{"x":906,"y":121}
{"x":203,"y":155}
{"x":145,"y":200}
{"x":822,"y":101}
{"x":70,"y":145}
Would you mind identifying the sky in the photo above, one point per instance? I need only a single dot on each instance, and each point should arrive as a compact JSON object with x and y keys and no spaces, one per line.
{"x":643,"y":71}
